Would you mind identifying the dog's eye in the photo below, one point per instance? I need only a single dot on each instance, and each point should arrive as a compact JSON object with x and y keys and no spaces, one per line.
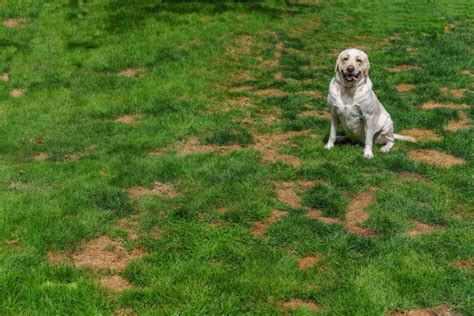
{"x":359,"y":60}
{"x":345,"y":58}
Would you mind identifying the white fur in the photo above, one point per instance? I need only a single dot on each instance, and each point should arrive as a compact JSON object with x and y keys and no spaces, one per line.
{"x":354,"y":105}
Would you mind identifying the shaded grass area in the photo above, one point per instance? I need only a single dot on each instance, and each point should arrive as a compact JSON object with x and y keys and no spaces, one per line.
{"x":187,"y":57}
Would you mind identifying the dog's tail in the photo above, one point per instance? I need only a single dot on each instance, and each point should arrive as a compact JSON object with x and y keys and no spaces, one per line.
{"x":405,"y":138}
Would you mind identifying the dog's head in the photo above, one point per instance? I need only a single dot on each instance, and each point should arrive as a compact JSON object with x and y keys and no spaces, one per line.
{"x":352,"y":64}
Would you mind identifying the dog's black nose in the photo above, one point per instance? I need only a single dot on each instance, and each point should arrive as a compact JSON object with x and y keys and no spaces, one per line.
{"x":350,"y":69}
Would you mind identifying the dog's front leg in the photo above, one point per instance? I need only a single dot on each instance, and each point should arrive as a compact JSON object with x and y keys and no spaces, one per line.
{"x":369,"y":136}
{"x":332,"y":133}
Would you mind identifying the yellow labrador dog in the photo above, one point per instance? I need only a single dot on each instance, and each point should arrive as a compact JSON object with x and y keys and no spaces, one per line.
{"x":354,"y":105}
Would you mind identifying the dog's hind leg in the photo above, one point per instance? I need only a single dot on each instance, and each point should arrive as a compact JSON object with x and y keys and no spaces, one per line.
{"x":387,"y":138}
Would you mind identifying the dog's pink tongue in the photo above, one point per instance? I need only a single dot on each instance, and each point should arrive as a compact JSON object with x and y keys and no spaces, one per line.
{"x":353,"y":77}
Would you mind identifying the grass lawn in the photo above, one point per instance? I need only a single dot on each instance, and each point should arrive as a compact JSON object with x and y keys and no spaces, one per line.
{"x":167,"y":157}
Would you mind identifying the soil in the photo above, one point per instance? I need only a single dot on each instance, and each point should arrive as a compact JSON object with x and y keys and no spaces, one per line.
{"x":259,"y":229}
{"x":317,"y":214}
{"x":421,"y":228}
{"x":115,"y":283}
{"x":455,"y":93}
{"x":467,"y":264}
{"x":356,"y":214}
{"x":405,"y":87}
{"x":5,"y":76}
{"x":127,"y":119}
{"x":400,"y":68}
{"x":16,"y":93}
{"x":40,"y":156}
{"x":270,"y":93}
{"x":130,"y":72}
{"x":308,"y":262}
{"x":295,"y":303}
{"x":287,"y":194}
{"x":463,"y":122}
{"x":443,"y":310}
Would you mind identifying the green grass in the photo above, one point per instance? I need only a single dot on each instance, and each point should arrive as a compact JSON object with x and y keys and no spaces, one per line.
{"x":67,"y":54}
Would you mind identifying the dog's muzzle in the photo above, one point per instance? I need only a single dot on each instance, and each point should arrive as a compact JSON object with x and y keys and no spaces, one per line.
{"x":351,"y":76}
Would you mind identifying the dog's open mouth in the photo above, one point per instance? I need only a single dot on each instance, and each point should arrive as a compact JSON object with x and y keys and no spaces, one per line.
{"x":350,"y":77}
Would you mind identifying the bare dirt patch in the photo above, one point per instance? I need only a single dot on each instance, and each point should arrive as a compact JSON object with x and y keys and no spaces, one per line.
{"x":295,"y":303}
{"x":130,"y":72}
{"x":127,"y":119}
{"x":310,"y":261}
{"x":270,"y":93}
{"x":435,"y":158}
{"x":431,"y":105}
{"x":115,"y":283}
{"x":278,"y":76}
{"x":357,"y":215}
{"x":467,"y":72}
{"x":104,"y":253}
{"x":405,"y":87}
{"x":463,"y":122}
{"x":443,"y":310}
{"x":286,"y":193}
{"x":422,"y":135}
{"x":158,"y":189}
{"x":421,"y":228}
{"x":5,"y":76}
{"x":260,"y":228}
{"x":16,"y":93}
{"x":317,"y":214}
{"x":40,"y":156}
{"x":400,"y":68}
{"x":467,"y":264}
{"x":456,"y":93}
{"x":268,"y":64}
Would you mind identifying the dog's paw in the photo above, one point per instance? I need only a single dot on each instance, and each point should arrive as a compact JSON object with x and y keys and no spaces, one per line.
{"x":329,"y":145}
{"x":368,"y":155}
{"x":385,"y":149}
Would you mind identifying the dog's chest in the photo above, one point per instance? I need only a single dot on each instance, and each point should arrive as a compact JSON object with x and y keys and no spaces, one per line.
{"x":350,"y":116}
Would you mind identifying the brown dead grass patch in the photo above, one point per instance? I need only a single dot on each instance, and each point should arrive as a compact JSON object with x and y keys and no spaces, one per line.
{"x":40,"y":156}
{"x":130,"y":72}
{"x":467,"y":72}
{"x":265,"y":143}
{"x":115,"y":283}
{"x":158,"y":189}
{"x":278,"y":76}
{"x":443,"y":310}
{"x":312,"y":94}
{"x":16,"y":93}
{"x":104,"y":253}
{"x":268,"y":64}
{"x":423,"y":135}
{"x":431,"y":105}
{"x":129,"y":226}
{"x":435,"y":158}
{"x":295,"y":303}
{"x":121,"y":311}
{"x":270,"y":93}
{"x":421,"y":228}
{"x":286,"y":193}
{"x":14,"y":22}
{"x":5,"y":76}
{"x":456,"y":93}
{"x":260,"y":228}
{"x":319,"y":115}
{"x":58,"y":258}
{"x":127,"y":119}
{"x":191,"y":145}
{"x":400,"y":68}
{"x":317,"y":214}
{"x":310,"y":261}
{"x":467,"y":264}
{"x":241,"y":89}
{"x":241,"y":102}
{"x":405,"y":87}
{"x":357,"y":215}
{"x":463,"y":122}
{"x":242,"y":45}
{"x":411,"y":175}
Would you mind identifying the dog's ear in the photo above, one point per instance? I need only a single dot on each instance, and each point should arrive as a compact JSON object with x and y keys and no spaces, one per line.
{"x":366,"y":70}
{"x":336,"y":68}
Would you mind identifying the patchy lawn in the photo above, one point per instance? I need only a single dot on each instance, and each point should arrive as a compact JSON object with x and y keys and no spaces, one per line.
{"x":162,"y":157}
